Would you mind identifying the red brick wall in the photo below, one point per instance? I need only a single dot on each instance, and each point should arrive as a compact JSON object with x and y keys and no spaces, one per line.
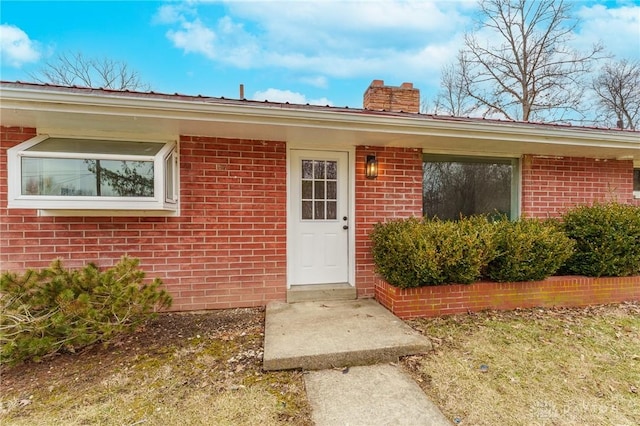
{"x":434,"y":301}
{"x":226,"y":249}
{"x":228,"y":246}
{"x":552,"y":185}
{"x":396,"y":193}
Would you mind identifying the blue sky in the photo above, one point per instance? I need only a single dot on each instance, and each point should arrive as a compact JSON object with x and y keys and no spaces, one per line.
{"x":321,"y":52}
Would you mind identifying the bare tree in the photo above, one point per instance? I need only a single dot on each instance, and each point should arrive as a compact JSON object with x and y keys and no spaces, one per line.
{"x":617,"y":88}
{"x":75,"y":69}
{"x":526,"y":69}
{"x":453,"y":99}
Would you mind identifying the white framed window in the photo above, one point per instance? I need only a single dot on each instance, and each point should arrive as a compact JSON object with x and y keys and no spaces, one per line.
{"x":82,"y":174}
{"x":636,"y":182}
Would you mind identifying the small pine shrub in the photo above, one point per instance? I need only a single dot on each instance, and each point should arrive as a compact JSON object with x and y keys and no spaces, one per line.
{"x":607,"y":239}
{"x":528,"y":250}
{"x":55,"y":309}
{"x":413,"y":252}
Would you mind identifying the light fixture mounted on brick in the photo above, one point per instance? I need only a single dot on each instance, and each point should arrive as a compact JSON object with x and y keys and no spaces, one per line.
{"x":371,"y":167}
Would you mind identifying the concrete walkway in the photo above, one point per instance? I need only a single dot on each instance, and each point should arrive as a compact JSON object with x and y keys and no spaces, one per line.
{"x":349,"y":345}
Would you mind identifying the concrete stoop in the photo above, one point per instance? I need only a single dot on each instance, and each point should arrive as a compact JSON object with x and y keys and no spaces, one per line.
{"x":328,"y":334}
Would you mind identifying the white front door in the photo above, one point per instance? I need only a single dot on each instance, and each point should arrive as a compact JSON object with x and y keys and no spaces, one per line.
{"x":319,"y":235}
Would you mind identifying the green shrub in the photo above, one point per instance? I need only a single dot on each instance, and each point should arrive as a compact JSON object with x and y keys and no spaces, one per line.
{"x":528,"y":250}
{"x":607,"y":239}
{"x":412,"y":252}
{"x":55,"y":309}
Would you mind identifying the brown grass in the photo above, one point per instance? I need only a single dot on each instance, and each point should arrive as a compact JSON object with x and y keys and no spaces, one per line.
{"x":534,"y":367}
{"x":187,"y":369}
{"x":543,"y":367}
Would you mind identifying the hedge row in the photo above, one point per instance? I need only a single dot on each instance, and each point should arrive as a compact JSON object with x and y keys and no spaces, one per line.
{"x":600,"y":240}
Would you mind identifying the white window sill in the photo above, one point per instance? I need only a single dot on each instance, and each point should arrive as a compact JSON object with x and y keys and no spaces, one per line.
{"x":108,"y":213}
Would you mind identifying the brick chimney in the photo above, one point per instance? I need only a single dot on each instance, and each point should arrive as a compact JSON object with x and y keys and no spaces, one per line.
{"x":379,"y":97}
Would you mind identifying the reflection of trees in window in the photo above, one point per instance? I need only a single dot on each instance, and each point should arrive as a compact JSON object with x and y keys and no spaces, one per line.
{"x":454,"y":188}
{"x":122,"y":178}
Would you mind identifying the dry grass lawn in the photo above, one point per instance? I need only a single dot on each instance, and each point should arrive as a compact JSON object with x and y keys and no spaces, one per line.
{"x":534,"y":367}
{"x":181,"y":369}
{"x":529,"y":367}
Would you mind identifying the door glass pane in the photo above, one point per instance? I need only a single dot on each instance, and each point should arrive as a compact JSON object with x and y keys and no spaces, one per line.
{"x":307,"y":169}
{"x":319,"y":210}
{"x":318,"y":190}
{"x":318,"y":169}
{"x":307,"y":193}
{"x":331,"y":191}
{"x":332,"y":169}
{"x":331,"y":210}
{"x":307,"y":209}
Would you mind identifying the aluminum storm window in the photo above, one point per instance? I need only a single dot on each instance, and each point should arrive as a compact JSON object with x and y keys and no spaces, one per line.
{"x":636,"y":183}
{"x":54,"y":173}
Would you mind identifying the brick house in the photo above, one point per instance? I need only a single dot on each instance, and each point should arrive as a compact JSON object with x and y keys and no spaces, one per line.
{"x":237,"y":203}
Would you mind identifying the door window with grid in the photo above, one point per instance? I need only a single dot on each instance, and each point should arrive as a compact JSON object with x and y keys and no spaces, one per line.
{"x":319,"y":196}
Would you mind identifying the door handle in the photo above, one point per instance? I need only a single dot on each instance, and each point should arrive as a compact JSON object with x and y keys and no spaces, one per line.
{"x":345,"y":227}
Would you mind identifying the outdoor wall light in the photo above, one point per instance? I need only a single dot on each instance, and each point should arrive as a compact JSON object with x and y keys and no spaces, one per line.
{"x":371,"y":167}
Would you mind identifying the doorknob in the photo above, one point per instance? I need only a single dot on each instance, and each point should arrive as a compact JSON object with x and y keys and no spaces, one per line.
{"x":345,"y":227}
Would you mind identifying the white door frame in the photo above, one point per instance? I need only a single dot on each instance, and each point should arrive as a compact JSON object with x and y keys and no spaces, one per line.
{"x":352,"y":209}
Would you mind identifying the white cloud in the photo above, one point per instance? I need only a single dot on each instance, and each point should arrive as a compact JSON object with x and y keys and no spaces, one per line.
{"x":194,"y":37}
{"x":174,"y":12}
{"x":325,"y":38}
{"x":277,"y":95}
{"x":319,"y":81}
{"x":16,"y":47}
{"x":618,"y":28}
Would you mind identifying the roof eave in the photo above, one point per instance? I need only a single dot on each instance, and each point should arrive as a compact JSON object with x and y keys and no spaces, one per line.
{"x":213,"y":110}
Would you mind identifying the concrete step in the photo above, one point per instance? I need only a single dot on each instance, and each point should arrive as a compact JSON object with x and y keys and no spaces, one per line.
{"x":319,"y":292}
{"x":331,"y":334}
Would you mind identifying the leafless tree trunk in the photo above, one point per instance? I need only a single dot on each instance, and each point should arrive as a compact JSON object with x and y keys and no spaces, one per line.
{"x":525,"y":70}
{"x":617,"y":88}
{"x":74,"y":69}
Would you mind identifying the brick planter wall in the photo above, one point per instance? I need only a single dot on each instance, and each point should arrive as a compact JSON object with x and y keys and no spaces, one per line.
{"x":457,"y":298}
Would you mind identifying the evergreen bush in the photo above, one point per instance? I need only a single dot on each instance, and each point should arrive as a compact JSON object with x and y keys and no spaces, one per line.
{"x":413,"y":252}
{"x":55,"y":309}
{"x":528,"y":250}
{"x":607,"y":238}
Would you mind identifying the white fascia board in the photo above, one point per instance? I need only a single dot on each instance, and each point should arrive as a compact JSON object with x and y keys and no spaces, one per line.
{"x":357,"y":121}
